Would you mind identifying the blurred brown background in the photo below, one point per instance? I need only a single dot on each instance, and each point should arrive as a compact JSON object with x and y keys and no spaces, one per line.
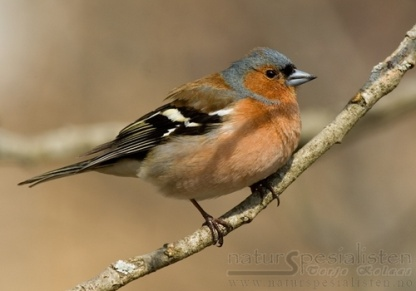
{"x":82,"y":62}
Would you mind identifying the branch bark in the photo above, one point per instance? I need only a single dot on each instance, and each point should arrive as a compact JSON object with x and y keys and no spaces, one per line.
{"x":383,"y":79}
{"x":57,"y":144}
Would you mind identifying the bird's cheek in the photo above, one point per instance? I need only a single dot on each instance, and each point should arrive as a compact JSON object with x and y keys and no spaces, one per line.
{"x":270,"y":89}
{"x":254,"y":82}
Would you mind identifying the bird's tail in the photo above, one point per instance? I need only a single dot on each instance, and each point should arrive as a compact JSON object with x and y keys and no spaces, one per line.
{"x":58,"y":173}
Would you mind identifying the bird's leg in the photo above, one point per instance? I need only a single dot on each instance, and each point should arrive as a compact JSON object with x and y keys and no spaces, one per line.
{"x":259,"y":186}
{"x":213,"y":224}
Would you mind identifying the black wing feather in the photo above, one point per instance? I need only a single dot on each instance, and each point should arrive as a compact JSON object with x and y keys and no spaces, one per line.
{"x":138,"y":138}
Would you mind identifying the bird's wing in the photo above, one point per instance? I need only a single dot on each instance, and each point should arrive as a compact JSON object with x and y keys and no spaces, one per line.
{"x":194,"y":109}
{"x":177,"y":118}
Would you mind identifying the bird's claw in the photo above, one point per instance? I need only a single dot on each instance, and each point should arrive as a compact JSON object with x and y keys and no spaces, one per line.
{"x":216,"y":232}
{"x":259,"y":186}
{"x":213,"y":225}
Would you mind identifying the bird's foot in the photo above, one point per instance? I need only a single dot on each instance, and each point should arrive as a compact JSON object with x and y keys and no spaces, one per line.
{"x":216,"y":232}
{"x":259,"y":187}
{"x":213,"y":225}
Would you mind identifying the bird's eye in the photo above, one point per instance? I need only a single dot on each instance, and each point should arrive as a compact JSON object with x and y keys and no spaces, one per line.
{"x":271,"y":74}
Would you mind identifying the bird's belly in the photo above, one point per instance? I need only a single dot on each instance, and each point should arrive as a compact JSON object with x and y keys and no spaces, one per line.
{"x":205,"y":168}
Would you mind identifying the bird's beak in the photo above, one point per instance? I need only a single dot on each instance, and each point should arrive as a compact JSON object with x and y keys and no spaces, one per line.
{"x":299,"y":77}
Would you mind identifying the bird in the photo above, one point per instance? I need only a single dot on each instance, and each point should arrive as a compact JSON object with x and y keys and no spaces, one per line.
{"x":214,"y":136}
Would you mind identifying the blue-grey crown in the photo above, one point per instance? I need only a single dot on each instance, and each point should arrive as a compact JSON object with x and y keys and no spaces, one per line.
{"x":257,"y":58}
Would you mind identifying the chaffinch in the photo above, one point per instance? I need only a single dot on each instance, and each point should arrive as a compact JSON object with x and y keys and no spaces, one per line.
{"x":216,"y":135}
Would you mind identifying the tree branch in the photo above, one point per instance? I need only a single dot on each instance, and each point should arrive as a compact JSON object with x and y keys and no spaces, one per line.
{"x":57,"y":144}
{"x":383,"y":79}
